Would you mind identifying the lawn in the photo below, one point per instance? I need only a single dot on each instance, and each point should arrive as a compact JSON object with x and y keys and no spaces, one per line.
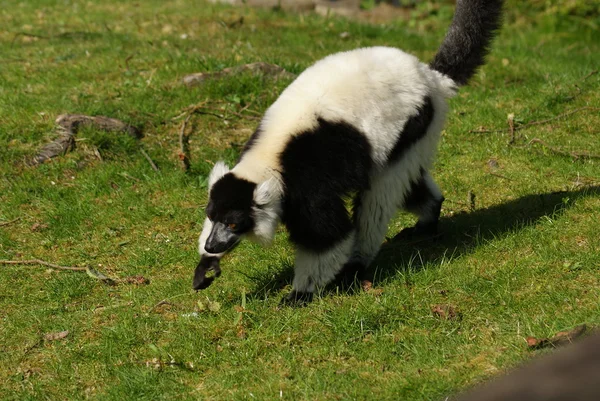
{"x":519,"y":256}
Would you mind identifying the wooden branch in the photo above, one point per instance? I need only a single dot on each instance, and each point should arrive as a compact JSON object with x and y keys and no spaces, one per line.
{"x":573,"y":154}
{"x":260,"y":67}
{"x":594,"y":72}
{"x":68,"y":125}
{"x":74,"y":121}
{"x":6,"y":223}
{"x":43,"y":263}
{"x":184,"y":145}
{"x":152,"y":164}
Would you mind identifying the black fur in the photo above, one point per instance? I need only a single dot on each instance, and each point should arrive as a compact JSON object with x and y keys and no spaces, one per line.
{"x":231,"y":201}
{"x":414,"y":129}
{"x":207,"y":263}
{"x":467,"y":42}
{"x":418,"y":194}
{"x":421,"y":201}
{"x":317,"y":179}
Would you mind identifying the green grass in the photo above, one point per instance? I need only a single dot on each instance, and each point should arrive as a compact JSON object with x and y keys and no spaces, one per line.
{"x":524,"y":262}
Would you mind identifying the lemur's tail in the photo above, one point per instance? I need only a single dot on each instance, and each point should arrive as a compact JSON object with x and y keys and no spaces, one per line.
{"x":467,"y":42}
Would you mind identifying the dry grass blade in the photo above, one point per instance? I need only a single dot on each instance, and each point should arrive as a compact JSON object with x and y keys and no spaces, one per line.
{"x":184,"y":145}
{"x":42,"y":263}
{"x":6,"y":223}
{"x":260,"y":67}
{"x":573,"y":154}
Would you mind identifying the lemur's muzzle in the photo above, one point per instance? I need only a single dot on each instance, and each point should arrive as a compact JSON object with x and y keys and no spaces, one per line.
{"x":221,"y":239}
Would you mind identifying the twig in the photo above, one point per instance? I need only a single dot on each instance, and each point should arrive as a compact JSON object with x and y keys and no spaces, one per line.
{"x":31,"y":35}
{"x":500,"y":176}
{"x":5,"y":223}
{"x":129,"y":177}
{"x":43,"y":263}
{"x":590,"y":74}
{"x":511,"y":127}
{"x":67,"y":125}
{"x":165,"y":302}
{"x":208,"y":113}
{"x":127,"y":59}
{"x":161,"y":303}
{"x":190,"y":109}
{"x":260,"y":67}
{"x":575,"y":155}
{"x":154,"y":166}
{"x":520,"y":127}
{"x":60,"y":35}
{"x":184,"y":145}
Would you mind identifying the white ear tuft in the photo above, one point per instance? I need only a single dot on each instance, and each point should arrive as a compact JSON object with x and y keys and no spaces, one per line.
{"x":218,"y":171}
{"x":267,"y":209}
{"x":268,"y":192}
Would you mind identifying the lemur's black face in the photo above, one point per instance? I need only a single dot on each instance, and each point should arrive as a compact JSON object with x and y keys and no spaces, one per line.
{"x":230,"y":210}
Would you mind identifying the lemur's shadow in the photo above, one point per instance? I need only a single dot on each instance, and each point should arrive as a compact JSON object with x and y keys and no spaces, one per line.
{"x":460,"y":234}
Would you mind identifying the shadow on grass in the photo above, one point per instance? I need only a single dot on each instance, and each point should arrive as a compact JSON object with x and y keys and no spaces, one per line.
{"x":461,"y":234}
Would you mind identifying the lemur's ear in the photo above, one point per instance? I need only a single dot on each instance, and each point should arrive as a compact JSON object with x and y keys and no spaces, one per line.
{"x":267,"y":192}
{"x":218,"y":171}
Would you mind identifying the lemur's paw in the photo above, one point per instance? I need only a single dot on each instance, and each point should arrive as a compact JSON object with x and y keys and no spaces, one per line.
{"x":207,"y":264}
{"x":350,"y":273}
{"x":297,"y":299}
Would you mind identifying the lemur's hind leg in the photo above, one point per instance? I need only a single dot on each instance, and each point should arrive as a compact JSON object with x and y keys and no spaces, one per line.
{"x":373,"y":210}
{"x":425,"y":200}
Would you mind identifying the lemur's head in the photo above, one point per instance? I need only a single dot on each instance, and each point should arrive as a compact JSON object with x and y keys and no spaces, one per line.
{"x":240,"y":208}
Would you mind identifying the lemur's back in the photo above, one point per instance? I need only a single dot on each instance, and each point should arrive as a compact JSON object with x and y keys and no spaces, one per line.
{"x":375,"y":89}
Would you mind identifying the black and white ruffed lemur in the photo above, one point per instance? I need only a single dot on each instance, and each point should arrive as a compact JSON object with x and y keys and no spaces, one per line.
{"x":364,"y":122}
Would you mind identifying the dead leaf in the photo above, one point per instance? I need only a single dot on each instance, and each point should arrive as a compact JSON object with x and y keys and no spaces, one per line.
{"x":214,"y":306}
{"x":561,"y":338}
{"x":493,"y":164}
{"x":99,"y":276}
{"x":56,"y":336}
{"x":137,"y":280}
{"x":38,"y":227}
{"x":446,"y":312}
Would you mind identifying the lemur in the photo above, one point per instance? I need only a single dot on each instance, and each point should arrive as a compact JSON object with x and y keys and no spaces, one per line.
{"x":362,"y":123}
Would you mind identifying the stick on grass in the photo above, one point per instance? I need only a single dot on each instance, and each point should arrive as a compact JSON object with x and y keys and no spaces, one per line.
{"x":42,"y":263}
{"x":6,"y":223}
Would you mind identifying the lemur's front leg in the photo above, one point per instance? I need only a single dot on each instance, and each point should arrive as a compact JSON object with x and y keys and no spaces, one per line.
{"x":324,"y":236}
{"x":315,"y":269}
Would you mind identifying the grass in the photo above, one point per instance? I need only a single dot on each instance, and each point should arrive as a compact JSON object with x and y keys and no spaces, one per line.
{"x":524,"y":262}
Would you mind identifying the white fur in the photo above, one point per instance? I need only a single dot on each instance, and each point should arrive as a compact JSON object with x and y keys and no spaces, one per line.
{"x":267,"y":197}
{"x":217,"y":172}
{"x":206,"y":229}
{"x":313,"y":270}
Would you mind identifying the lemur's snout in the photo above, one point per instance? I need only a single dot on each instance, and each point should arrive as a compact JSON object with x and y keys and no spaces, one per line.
{"x":221,"y":239}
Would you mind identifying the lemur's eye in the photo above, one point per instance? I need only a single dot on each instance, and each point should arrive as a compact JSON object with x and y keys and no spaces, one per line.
{"x":232,"y":226}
